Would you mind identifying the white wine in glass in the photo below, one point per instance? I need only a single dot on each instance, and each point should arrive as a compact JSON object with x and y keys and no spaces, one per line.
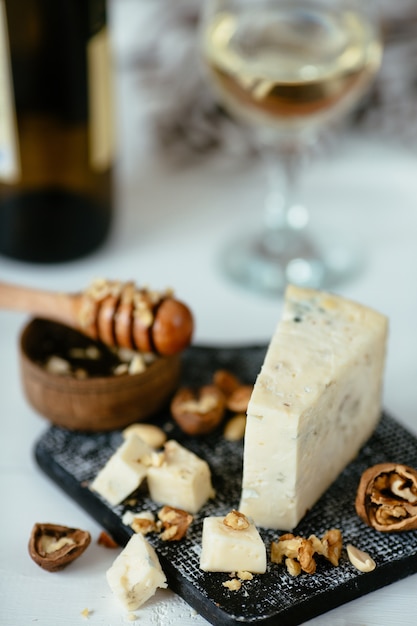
{"x":287,"y":69}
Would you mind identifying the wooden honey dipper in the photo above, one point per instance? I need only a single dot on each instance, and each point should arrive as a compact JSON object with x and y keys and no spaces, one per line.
{"x":118,"y":314}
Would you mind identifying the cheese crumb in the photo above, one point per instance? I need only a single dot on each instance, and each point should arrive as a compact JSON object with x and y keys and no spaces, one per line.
{"x":124,"y":470}
{"x":232,"y":585}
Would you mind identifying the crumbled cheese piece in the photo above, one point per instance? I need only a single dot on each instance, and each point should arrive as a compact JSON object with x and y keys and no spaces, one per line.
{"x":136,"y":573}
{"x":226,"y":549}
{"x":182,"y":481}
{"x":124,"y":471}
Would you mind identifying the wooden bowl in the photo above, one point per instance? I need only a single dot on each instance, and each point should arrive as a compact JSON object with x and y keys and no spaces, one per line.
{"x":99,"y":402}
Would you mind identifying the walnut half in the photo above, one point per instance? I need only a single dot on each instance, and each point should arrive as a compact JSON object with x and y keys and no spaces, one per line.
{"x":198,"y":412}
{"x":298,"y":553}
{"x":236,"y":520}
{"x":387,"y":497}
{"x":175,"y":523}
{"x":53,"y":547}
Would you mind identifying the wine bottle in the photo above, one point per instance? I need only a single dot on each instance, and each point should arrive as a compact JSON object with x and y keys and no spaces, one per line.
{"x":56,"y":129}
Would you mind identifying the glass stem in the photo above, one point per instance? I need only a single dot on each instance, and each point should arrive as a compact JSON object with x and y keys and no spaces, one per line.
{"x":284,"y":217}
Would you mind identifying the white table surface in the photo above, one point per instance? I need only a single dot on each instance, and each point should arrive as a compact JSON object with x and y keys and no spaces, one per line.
{"x":168,"y":229}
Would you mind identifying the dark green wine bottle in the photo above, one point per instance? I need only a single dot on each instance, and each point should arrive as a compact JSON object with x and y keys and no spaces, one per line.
{"x":56,"y":129}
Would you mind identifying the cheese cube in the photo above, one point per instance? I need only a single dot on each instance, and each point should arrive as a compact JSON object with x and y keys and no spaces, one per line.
{"x":316,"y":400}
{"x":225,"y":549}
{"x":124,"y":471}
{"x":182,"y":481}
{"x":136,"y":573}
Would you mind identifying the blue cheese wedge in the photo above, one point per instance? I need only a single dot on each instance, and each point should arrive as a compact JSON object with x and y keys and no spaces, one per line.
{"x":136,"y":573}
{"x":316,"y":400}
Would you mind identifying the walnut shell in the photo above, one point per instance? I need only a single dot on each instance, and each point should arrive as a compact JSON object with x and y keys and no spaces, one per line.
{"x":53,"y":547}
{"x":226,"y":381}
{"x":200,"y":412}
{"x":386,"y":498}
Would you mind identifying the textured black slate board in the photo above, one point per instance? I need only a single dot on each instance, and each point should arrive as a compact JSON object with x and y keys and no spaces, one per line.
{"x":73,"y":459}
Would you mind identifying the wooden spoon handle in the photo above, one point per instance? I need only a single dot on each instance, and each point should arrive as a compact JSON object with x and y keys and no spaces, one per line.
{"x":60,"y":307}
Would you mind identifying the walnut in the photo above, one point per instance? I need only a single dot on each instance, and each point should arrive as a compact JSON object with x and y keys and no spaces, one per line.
{"x":387,"y":497}
{"x":144,"y":314}
{"x":143,"y":525}
{"x":121,"y":369}
{"x":53,"y":547}
{"x":236,"y":520}
{"x":106,"y":540}
{"x":305,"y":556}
{"x":58,"y":365}
{"x":233,"y":585}
{"x":237,"y":395}
{"x":137,"y":365}
{"x":142,"y":522}
{"x":295,"y":549}
{"x":198,"y":413}
{"x":238,"y":400}
{"x":175,"y":523}
{"x":330,"y":546}
{"x":225,"y":381}
{"x":286,"y":546}
{"x":298,"y":553}
{"x":293,"y":566}
{"x":101,"y":288}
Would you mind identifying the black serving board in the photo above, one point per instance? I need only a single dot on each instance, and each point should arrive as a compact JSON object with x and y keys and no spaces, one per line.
{"x":72,"y":460}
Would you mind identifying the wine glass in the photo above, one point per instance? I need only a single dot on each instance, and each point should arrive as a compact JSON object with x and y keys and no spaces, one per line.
{"x":288,"y":69}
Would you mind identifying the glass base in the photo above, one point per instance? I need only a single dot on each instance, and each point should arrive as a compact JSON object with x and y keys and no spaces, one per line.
{"x":267,"y":265}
